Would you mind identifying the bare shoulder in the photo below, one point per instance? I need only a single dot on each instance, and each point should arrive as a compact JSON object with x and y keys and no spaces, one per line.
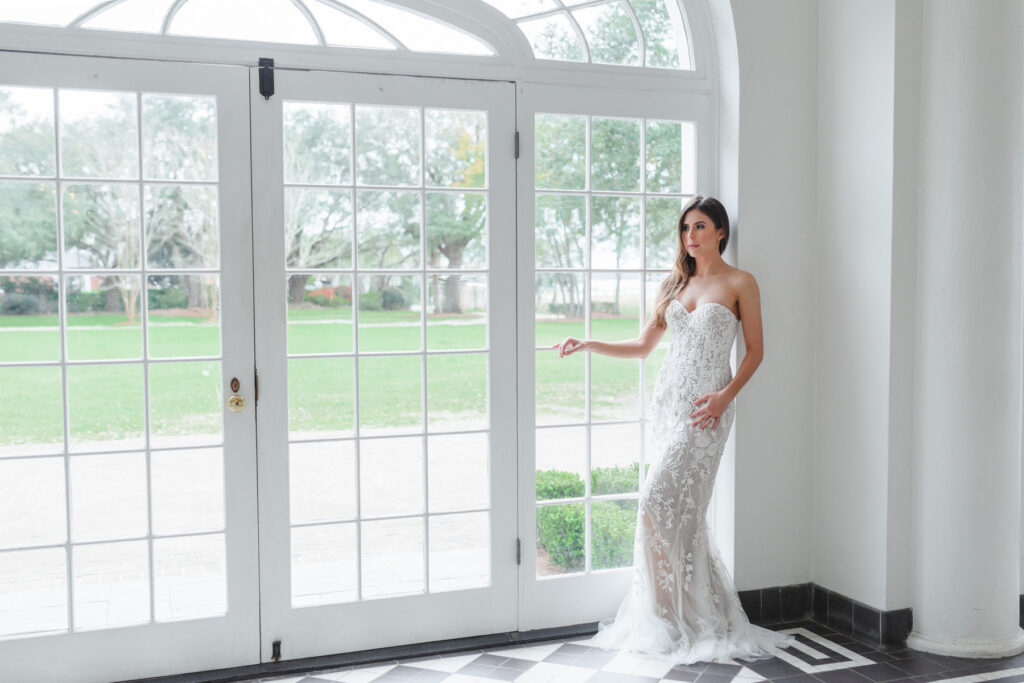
{"x":743,"y":283}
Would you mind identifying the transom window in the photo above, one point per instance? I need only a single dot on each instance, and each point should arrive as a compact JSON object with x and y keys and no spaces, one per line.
{"x":643,"y":33}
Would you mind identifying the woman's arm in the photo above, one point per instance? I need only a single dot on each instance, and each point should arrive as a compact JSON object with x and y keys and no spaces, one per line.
{"x":640,"y":347}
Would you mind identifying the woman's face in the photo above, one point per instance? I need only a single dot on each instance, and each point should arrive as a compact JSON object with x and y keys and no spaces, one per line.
{"x":698,"y":233}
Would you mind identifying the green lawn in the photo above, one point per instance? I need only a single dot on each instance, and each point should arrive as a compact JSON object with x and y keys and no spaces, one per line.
{"x":106,"y":401}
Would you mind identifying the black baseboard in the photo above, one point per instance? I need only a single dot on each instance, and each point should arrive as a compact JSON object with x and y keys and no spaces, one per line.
{"x":880,"y":629}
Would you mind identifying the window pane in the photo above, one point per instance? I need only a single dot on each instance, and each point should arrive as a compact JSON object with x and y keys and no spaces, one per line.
{"x":560,"y":224}
{"x":457,"y":391}
{"x":29,"y":325}
{"x":185,"y":404}
{"x":389,"y":313}
{"x":561,"y":462}
{"x":33,"y":415}
{"x":322,"y":481}
{"x":184,"y":315}
{"x":456,"y":148}
{"x":664,"y":33}
{"x":615,"y":458}
{"x":277,"y":21}
{"x":188,"y":490}
{"x":615,"y":232}
{"x":388,"y":229}
{"x":106,"y":407}
{"x":101,"y":226}
{"x":190,"y":579}
{"x":610,"y":34}
{"x":615,"y":154}
{"x":182,"y":226}
{"x":613,"y":530}
{"x":317,"y":143}
{"x":460,"y":551}
{"x":387,"y":145}
{"x":33,"y":591}
{"x":561,"y":143}
{"x":179,"y":137}
{"x":390,"y":477}
{"x":392,"y":557}
{"x":32,"y":503}
{"x":317,"y":228}
{"x":52,"y":12}
{"x":99,"y":134}
{"x":104,"y":317}
{"x":28,"y":224}
{"x":419,"y":33}
{"x":559,"y":306}
{"x":390,"y":390}
{"x":324,"y":565}
{"x":456,"y":311}
{"x":560,"y":539}
{"x":108,"y":497}
{"x":662,"y":231}
{"x":456,"y":230}
{"x":111,"y":584}
{"x":341,"y":29}
{"x":26,"y":131}
{"x":320,"y":397}
{"x":139,"y":16}
{"x":521,"y":8}
{"x":319,"y":313}
{"x":457,"y":467}
{"x":553,"y":37}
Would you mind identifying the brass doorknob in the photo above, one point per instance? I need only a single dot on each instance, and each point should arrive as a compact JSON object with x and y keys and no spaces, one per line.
{"x":236,"y":403}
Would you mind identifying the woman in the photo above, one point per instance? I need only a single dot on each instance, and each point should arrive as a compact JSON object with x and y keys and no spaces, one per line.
{"x":682,"y":603}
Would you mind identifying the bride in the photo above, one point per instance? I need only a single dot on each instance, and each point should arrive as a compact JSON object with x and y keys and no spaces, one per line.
{"x":682,"y":603}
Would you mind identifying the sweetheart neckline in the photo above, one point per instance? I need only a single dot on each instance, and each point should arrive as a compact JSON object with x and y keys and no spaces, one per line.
{"x":707,"y":303}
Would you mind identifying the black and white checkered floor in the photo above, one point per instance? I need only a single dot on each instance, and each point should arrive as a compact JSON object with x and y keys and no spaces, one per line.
{"x":820,"y":655}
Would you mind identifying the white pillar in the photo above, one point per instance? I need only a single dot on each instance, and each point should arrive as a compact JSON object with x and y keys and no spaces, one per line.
{"x":968,"y":372}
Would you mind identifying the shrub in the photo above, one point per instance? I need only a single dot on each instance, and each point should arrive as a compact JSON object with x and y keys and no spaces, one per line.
{"x":83,"y":302}
{"x":20,"y":304}
{"x":560,"y":531}
{"x":614,"y":533}
{"x":369,"y":301}
{"x":561,"y":528}
{"x":392,"y":299}
{"x":167,"y":298}
{"x":558,"y":484}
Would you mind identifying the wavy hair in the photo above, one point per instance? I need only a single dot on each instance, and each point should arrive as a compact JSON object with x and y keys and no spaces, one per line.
{"x":685,"y":264}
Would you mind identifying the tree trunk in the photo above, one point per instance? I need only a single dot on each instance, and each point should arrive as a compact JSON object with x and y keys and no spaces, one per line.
{"x":452,"y":289}
{"x":297,"y":288}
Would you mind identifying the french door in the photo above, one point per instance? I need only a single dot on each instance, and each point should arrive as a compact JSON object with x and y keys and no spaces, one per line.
{"x":384,"y":223}
{"x":128,"y":539}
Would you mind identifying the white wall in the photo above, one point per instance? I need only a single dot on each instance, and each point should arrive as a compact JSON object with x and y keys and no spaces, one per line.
{"x":774,"y":214}
{"x":853,"y":240}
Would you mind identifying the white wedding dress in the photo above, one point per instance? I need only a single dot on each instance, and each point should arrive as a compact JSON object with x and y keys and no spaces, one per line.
{"x":682,"y":603}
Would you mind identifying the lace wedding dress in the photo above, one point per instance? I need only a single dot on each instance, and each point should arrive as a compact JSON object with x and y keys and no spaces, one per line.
{"x":682,"y":603}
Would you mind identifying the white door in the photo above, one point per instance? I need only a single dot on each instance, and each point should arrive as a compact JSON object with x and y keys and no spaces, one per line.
{"x":128,"y":537}
{"x":600,"y":189}
{"x":384,"y":221}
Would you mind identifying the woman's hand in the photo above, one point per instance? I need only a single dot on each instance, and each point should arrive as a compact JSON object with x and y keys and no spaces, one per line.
{"x":569,"y":345}
{"x":717,"y":402}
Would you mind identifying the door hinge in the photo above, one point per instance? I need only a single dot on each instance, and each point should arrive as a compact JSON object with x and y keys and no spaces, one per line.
{"x":275,"y":651}
{"x":256,"y":384}
{"x":519,"y":551}
{"x":517,"y":144}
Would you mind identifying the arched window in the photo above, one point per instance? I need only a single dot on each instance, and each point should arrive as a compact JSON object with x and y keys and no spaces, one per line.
{"x":384,"y":229}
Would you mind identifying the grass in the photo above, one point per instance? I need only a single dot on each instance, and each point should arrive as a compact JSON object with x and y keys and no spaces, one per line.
{"x":106,"y":402}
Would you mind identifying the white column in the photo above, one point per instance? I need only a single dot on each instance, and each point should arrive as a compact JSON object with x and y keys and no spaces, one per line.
{"x":968,"y":371}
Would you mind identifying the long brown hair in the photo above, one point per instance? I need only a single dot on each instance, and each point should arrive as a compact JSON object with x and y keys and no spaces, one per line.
{"x":684,"y":263}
